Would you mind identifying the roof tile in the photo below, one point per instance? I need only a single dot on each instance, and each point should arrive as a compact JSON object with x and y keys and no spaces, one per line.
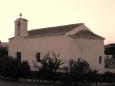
{"x":52,"y":30}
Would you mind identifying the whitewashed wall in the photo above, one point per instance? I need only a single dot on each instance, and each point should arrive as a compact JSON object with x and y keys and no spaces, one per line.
{"x":88,"y":49}
{"x":30,"y":46}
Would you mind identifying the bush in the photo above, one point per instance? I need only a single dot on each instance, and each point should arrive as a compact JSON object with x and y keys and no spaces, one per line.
{"x":50,"y":65}
{"x":79,"y":71}
{"x":14,"y":69}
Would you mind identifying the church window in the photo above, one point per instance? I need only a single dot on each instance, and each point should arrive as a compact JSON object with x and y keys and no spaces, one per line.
{"x":100,"y":59}
{"x":18,"y":56}
{"x":38,"y":56}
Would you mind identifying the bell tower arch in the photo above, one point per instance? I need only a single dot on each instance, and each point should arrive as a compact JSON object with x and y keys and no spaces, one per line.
{"x":21,"y":26}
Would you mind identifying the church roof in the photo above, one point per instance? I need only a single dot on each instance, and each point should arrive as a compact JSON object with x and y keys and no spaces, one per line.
{"x":87,"y":33}
{"x":64,"y":29}
{"x":51,"y":30}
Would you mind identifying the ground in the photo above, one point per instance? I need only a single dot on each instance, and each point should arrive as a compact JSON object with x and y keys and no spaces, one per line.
{"x":14,"y":83}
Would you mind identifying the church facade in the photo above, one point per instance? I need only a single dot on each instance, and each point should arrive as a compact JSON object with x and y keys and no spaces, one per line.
{"x":71,"y":41}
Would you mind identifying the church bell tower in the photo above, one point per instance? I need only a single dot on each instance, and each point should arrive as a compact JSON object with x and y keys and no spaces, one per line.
{"x":21,"y":26}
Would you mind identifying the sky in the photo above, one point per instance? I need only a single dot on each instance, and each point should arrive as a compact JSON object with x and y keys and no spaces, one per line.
{"x":98,"y":15}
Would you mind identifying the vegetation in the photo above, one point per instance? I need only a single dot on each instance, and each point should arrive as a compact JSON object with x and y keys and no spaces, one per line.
{"x":110,"y":49}
{"x":11,"y":67}
{"x":77,"y":72}
{"x":3,"y":51}
{"x":50,"y":67}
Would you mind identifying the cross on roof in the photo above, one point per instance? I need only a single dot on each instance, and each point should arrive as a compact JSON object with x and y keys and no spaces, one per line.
{"x":20,"y":15}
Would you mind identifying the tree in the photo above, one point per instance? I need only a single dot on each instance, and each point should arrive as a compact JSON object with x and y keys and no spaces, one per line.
{"x":79,"y":66}
{"x":79,"y":71}
{"x":3,"y":51}
{"x":50,"y":65}
{"x":10,"y":68}
{"x":13,"y":68}
{"x":25,"y":70}
{"x":3,"y":56}
{"x":110,"y":50}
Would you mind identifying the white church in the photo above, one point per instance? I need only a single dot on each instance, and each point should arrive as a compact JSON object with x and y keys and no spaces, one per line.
{"x":70,"y":41}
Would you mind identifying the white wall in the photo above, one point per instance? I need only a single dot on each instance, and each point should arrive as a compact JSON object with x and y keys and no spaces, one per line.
{"x":30,"y":46}
{"x":88,"y":49}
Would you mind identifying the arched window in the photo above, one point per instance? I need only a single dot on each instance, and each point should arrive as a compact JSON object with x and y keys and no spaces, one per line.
{"x":19,"y":25}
